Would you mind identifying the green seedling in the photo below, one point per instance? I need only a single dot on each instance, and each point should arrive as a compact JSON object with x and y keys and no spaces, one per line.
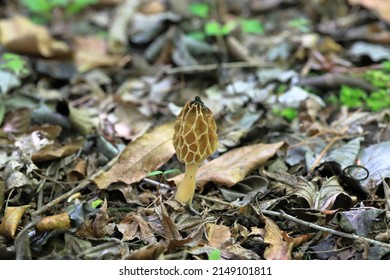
{"x":42,"y":9}
{"x":199,"y":9}
{"x":14,"y":63}
{"x":288,"y":114}
{"x":352,"y":97}
{"x":214,"y":255}
{"x":301,"y":24}
{"x":96,"y":203}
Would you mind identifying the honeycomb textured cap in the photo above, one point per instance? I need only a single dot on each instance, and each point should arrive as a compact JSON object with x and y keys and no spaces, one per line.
{"x":195,"y":137}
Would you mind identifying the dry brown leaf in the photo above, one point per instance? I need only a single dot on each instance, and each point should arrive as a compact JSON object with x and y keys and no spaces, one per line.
{"x":217,"y":234}
{"x":11,"y":220}
{"x":234,"y":165}
{"x":382,"y":7}
{"x":60,"y":222}
{"x":134,"y":226}
{"x":280,"y":243}
{"x":92,"y":52}
{"x":150,"y":252}
{"x":145,"y":154}
{"x":20,"y":34}
{"x":54,"y":151}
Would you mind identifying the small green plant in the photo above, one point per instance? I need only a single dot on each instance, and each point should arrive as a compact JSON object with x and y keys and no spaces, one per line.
{"x":214,"y":255}
{"x":378,"y":78}
{"x":96,"y":203}
{"x":379,"y":100}
{"x":199,"y":9}
{"x":214,"y":28}
{"x":14,"y":63}
{"x":42,"y":9}
{"x":302,"y":24}
{"x":162,"y":173}
{"x":288,"y":114}
{"x":357,"y":98}
{"x":252,"y":26}
{"x":352,"y":97}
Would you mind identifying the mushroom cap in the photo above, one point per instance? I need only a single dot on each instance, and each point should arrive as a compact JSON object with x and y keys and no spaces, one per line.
{"x":195,"y":137}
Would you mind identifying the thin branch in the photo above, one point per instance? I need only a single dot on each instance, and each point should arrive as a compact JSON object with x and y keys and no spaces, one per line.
{"x":210,"y":67}
{"x":325,"y":229}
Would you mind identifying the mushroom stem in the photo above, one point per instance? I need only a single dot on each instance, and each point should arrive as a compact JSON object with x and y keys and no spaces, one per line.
{"x":185,"y":191}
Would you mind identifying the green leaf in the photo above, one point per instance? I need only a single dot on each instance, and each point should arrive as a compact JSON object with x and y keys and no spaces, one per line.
{"x":170,"y":171}
{"x":154,"y":173}
{"x":214,"y":255}
{"x":14,"y":63}
{"x":199,"y":9}
{"x":198,"y":35}
{"x":213,"y":28}
{"x":289,"y":113}
{"x":386,"y":65}
{"x":302,"y":24}
{"x":252,"y":26}
{"x":96,"y":203}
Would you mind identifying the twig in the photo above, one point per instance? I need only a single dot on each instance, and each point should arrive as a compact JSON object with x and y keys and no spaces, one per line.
{"x":76,"y":189}
{"x":325,"y":229}
{"x":210,"y":67}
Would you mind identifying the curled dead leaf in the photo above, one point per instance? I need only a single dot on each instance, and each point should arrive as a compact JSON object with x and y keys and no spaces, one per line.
{"x":11,"y":220}
{"x":60,"y":222}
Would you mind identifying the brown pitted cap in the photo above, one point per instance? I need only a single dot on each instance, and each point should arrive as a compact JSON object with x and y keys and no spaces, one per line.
{"x":195,"y":137}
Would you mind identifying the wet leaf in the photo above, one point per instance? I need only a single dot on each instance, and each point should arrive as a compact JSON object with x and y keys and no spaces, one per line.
{"x":146,"y":153}
{"x":55,"y":151}
{"x":11,"y":219}
{"x":233,"y":166}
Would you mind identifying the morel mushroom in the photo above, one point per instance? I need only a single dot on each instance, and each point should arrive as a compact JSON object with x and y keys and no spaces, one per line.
{"x":195,"y":138}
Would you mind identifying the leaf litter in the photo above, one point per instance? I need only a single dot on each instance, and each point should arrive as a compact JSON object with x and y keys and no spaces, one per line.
{"x":87,"y":106}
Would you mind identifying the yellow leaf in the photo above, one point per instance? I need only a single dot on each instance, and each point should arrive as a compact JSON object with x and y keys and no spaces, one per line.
{"x":11,"y":220}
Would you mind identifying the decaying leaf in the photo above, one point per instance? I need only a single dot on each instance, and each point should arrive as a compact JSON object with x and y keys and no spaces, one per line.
{"x":280,"y":243}
{"x":150,"y":252}
{"x":234,"y":165}
{"x":145,"y":154}
{"x":134,"y":226}
{"x":330,"y":195}
{"x":54,"y":151}
{"x":11,"y":220}
{"x":2,"y":193}
{"x":92,"y":52}
{"x":217,"y":234}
